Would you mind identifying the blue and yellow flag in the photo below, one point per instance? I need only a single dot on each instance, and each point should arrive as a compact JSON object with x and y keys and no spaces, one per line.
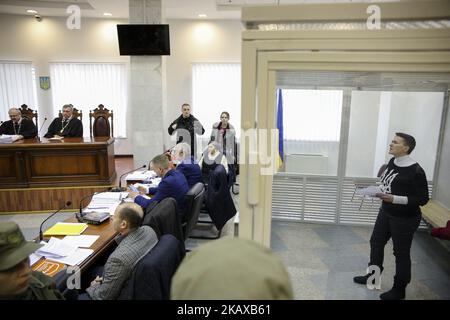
{"x":280,"y":129}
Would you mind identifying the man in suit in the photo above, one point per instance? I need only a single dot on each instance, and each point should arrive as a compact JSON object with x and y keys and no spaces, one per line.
{"x":67,"y":126}
{"x":186,"y":126}
{"x":134,"y":242}
{"x":173,"y":184}
{"x":18,"y":126}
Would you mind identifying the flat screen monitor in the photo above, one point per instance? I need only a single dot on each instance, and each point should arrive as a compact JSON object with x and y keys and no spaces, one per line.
{"x":143,"y":39}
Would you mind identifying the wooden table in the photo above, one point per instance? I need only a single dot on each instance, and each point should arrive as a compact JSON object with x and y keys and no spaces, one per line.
{"x":103,"y":243}
{"x":41,"y":175}
{"x":69,"y":162}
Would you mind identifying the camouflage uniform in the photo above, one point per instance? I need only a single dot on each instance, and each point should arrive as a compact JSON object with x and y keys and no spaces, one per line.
{"x":13,"y":250}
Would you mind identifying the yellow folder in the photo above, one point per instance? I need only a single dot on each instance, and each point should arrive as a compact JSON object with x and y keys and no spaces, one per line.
{"x":66,"y":229}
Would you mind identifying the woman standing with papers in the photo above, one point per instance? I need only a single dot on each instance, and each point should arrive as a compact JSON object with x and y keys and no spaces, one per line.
{"x":404,"y":188}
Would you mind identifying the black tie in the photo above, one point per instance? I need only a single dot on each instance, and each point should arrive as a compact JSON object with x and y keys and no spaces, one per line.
{"x":64,"y":123}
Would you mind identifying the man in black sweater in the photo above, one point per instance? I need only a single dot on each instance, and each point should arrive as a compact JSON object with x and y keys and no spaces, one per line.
{"x":21,"y":127}
{"x":404,"y":188}
{"x":67,"y":126}
{"x":186,"y":126}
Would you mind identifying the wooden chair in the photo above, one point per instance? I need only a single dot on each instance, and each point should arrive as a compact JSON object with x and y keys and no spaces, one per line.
{"x":76,"y":114}
{"x":100,"y":123}
{"x":29,"y":114}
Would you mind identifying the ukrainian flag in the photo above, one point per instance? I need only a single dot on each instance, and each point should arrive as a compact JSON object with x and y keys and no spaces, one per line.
{"x":280,"y":129}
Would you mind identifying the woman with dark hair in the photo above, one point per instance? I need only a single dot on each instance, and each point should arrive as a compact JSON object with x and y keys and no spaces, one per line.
{"x":225,"y":135}
{"x":404,"y":189}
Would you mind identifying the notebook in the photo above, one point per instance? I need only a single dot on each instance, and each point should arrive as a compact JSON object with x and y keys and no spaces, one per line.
{"x":66,"y":229}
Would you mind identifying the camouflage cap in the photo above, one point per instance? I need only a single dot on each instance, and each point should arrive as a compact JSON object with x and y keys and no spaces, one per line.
{"x":13,"y":246}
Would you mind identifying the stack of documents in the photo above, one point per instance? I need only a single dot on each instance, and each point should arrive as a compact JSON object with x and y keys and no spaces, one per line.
{"x":105,"y":202}
{"x":141,"y":176}
{"x":66,"y":252}
{"x":7,"y":138}
{"x":66,"y":229}
{"x":153,"y":184}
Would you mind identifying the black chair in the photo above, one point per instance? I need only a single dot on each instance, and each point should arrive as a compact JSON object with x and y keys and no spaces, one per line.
{"x":152,"y":275}
{"x":219,"y":206}
{"x":29,"y":114}
{"x":163,"y":218}
{"x":193,"y":202}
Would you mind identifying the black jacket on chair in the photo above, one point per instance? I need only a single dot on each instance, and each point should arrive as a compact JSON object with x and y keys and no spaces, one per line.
{"x":219,"y":203}
{"x":152,"y":275}
{"x":163,"y":218}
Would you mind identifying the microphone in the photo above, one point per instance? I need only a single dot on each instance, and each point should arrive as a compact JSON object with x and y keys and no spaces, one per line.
{"x":120,"y":188}
{"x":38,"y":135}
{"x":79,"y":214}
{"x":68,"y":203}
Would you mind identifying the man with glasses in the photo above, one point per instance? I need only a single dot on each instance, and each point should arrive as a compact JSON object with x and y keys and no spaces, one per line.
{"x":20,"y":127}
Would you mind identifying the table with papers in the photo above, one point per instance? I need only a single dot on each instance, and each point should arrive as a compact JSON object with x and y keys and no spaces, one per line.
{"x":105,"y":202}
{"x":89,"y":246}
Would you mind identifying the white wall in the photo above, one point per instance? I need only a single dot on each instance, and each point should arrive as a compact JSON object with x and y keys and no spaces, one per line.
{"x":418,"y":114}
{"x":364,"y":113}
{"x":23,"y":38}
{"x":196,"y":41}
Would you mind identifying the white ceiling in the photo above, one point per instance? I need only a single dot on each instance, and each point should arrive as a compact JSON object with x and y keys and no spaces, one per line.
{"x":172,"y":9}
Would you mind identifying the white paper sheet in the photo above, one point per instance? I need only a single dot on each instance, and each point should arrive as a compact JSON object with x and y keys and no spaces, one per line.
{"x":74,"y":259}
{"x":370,"y":191}
{"x":56,"y":248}
{"x":81,"y":241}
{"x":140,"y":175}
{"x":34,"y":258}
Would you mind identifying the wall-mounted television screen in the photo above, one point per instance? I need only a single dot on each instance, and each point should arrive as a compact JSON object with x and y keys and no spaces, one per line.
{"x":143,"y":39}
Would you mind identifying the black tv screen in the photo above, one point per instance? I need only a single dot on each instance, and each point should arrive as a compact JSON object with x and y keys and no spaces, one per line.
{"x":143,"y":39}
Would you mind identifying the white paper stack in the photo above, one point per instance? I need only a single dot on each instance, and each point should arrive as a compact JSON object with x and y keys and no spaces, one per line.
{"x":7,"y":138}
{"x":105,"y":202}
{"x":62,"y":251}
{"x":141,"y":175}
{"x":153,"y":184}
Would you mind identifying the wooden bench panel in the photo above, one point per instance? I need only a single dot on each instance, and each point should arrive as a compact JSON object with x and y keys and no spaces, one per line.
{"x":435,"y":214}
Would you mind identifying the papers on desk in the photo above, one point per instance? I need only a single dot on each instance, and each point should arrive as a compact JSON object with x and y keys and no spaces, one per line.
{"x":74,"y":259}
{"x":369,"y":191}
{"x":82,"y":241}
{"x":56,"y":248}
{"x":66,"y":229}
{"x":105,"y":202}
{"x":8,"y":138}
{"x":34,"y":258}
{"x":56,"y":138}
{"x":140,"y":175}
{"x":153,"y":184}
{"x":108,"y":197}
{"x":62,"y":251}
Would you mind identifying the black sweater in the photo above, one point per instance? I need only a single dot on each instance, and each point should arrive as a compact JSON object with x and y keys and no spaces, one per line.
{"x":27,"y":128}
{"x":407,"y":181}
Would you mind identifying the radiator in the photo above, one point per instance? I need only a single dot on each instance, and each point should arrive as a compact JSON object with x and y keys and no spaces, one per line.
{"x":306,"y":163}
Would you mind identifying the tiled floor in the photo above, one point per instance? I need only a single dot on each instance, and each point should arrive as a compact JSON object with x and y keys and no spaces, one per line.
{"x":323,"y":259}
